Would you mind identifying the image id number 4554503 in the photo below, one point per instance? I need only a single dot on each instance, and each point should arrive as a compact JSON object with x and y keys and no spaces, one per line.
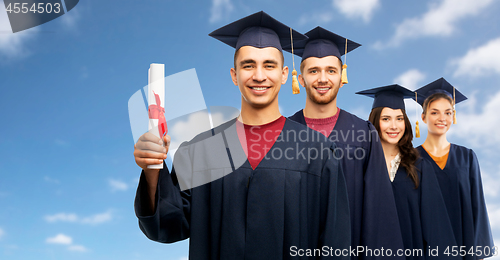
{"x":33,"y":8}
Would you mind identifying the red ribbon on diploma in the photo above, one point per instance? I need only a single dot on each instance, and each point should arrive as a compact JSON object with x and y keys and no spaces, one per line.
{"x":158,"y":112}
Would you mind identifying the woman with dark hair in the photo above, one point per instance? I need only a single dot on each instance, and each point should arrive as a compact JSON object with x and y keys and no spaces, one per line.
{"x":417,"y":195}
{"x":457,"y":170}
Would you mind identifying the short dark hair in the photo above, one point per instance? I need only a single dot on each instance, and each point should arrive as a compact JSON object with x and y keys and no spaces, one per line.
{"x":236,"y":55}
{"x":409,"y":155}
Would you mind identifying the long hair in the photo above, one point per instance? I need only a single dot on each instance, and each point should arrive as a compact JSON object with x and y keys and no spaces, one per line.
{"x":409,"y":155}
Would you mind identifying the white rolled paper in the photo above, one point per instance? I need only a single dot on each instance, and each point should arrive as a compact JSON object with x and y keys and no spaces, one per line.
{"x":156,"y":88}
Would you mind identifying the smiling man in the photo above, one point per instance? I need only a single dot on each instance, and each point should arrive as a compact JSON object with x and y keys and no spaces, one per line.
{"x":256,"y":187}
{"x":372,"y":206}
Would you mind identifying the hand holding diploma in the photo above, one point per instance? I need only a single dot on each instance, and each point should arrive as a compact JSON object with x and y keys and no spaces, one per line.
{"x":151,"y":150}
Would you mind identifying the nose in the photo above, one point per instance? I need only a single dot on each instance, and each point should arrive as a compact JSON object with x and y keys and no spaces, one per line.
{"x":393,"y":124}
{"x":442,"y":117}
{"x":322,"y":77}
{"x":259,"y":75}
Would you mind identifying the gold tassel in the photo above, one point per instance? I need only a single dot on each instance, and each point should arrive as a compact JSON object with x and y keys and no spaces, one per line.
{"x":454,"y":110}
{"x":344,"y":67}
{"x":344,"y":74}
{"x":417,"y":130}
{"x":295,"y":83}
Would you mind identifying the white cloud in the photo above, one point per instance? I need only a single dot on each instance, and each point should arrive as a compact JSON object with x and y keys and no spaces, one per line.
{"x":357,"y":8}
{"x":187,"y":127}
{"x":12,"y":44}
{"x":220,"y":9}
{"x":440,"y":20}
{"x":73,"y":218}
{"x":77,"y":248}
{"x":60,"y":239}
{"x":98,"y":218}
{"x":63,"y":217}
{"x":410,"y":79}
{"x":490,"y":184}
{"x":478,"y":128}
{"x":2,"y":233}
{"x":117,"y":185}
{"x":480,"y":61}
{"x":494,"y":215}
{"x":316,"y":18}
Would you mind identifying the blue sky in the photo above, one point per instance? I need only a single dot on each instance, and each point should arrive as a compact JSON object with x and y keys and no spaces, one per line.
{"x":68,"y":176}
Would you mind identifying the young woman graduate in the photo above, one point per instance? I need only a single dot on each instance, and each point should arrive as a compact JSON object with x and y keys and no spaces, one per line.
{"x":457,"y":170}
{"x":416,"y":191}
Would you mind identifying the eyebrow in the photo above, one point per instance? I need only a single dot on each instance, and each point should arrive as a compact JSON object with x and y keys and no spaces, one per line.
{"x":328,"y":67}
{"x":243,"y":62}
{"x":435,"y":109}
{"x":391,"y":116}
{"x":271,"y":61}
{"x":250,"y":61}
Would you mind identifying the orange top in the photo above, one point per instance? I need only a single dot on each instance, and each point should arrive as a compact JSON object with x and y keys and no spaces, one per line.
{"x":440,"y":161}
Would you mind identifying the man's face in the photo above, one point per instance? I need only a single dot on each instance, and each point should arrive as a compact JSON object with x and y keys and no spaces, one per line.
{"x":259,"y":74}
{"x":322,"y":78}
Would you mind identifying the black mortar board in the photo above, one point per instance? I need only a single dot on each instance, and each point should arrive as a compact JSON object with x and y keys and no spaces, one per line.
{"x":258,"y":30}
{"x":391,"y":96}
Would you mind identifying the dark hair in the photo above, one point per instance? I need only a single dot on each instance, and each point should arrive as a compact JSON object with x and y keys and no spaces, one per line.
{"x":434,"y":97}
{"x":236,"y":55}
{"x":409,"y":155}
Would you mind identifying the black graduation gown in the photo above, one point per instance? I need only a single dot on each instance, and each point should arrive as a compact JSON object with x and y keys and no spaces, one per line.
{"x":422,"y":213}
{"x":462,"y":191}
{"x":251,"y":214}
{"x":369,"y":188}
{"x":408,"y":203}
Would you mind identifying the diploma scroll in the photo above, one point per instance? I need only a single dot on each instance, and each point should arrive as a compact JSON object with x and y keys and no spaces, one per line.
{"x":156,"y":103}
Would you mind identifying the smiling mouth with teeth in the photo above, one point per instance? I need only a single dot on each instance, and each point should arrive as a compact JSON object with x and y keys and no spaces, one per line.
{"x":259,"y":88}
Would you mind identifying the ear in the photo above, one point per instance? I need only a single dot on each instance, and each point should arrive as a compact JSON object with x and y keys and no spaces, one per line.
{"x":301,"y":80}
{"x":423,"y":118}
{"x":341,"y":83}
{"x":233,"y":76}
{"x":284,"y":75}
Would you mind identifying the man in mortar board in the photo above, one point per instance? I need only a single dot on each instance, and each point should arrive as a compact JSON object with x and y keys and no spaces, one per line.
{"x":248,"y":189}
{"x":372,"y":206}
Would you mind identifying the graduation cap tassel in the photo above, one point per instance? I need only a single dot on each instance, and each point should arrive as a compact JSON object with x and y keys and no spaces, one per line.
{"x":344,"y":67}
{"x":417,"y":128}
{"x":454,"y":110}
{"x":295,"y":82}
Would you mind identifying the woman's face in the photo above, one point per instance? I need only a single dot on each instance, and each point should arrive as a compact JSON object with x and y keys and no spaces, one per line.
{"x":392,"y":125}
{"x":438,"y":116}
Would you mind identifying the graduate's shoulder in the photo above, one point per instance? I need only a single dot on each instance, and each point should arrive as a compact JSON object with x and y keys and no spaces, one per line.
{"x":353,"y":131}
{"x":355,"y":120}
{"x":210,"y":133}
{"x":460,"y":151}
{"x":298,"y":116}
